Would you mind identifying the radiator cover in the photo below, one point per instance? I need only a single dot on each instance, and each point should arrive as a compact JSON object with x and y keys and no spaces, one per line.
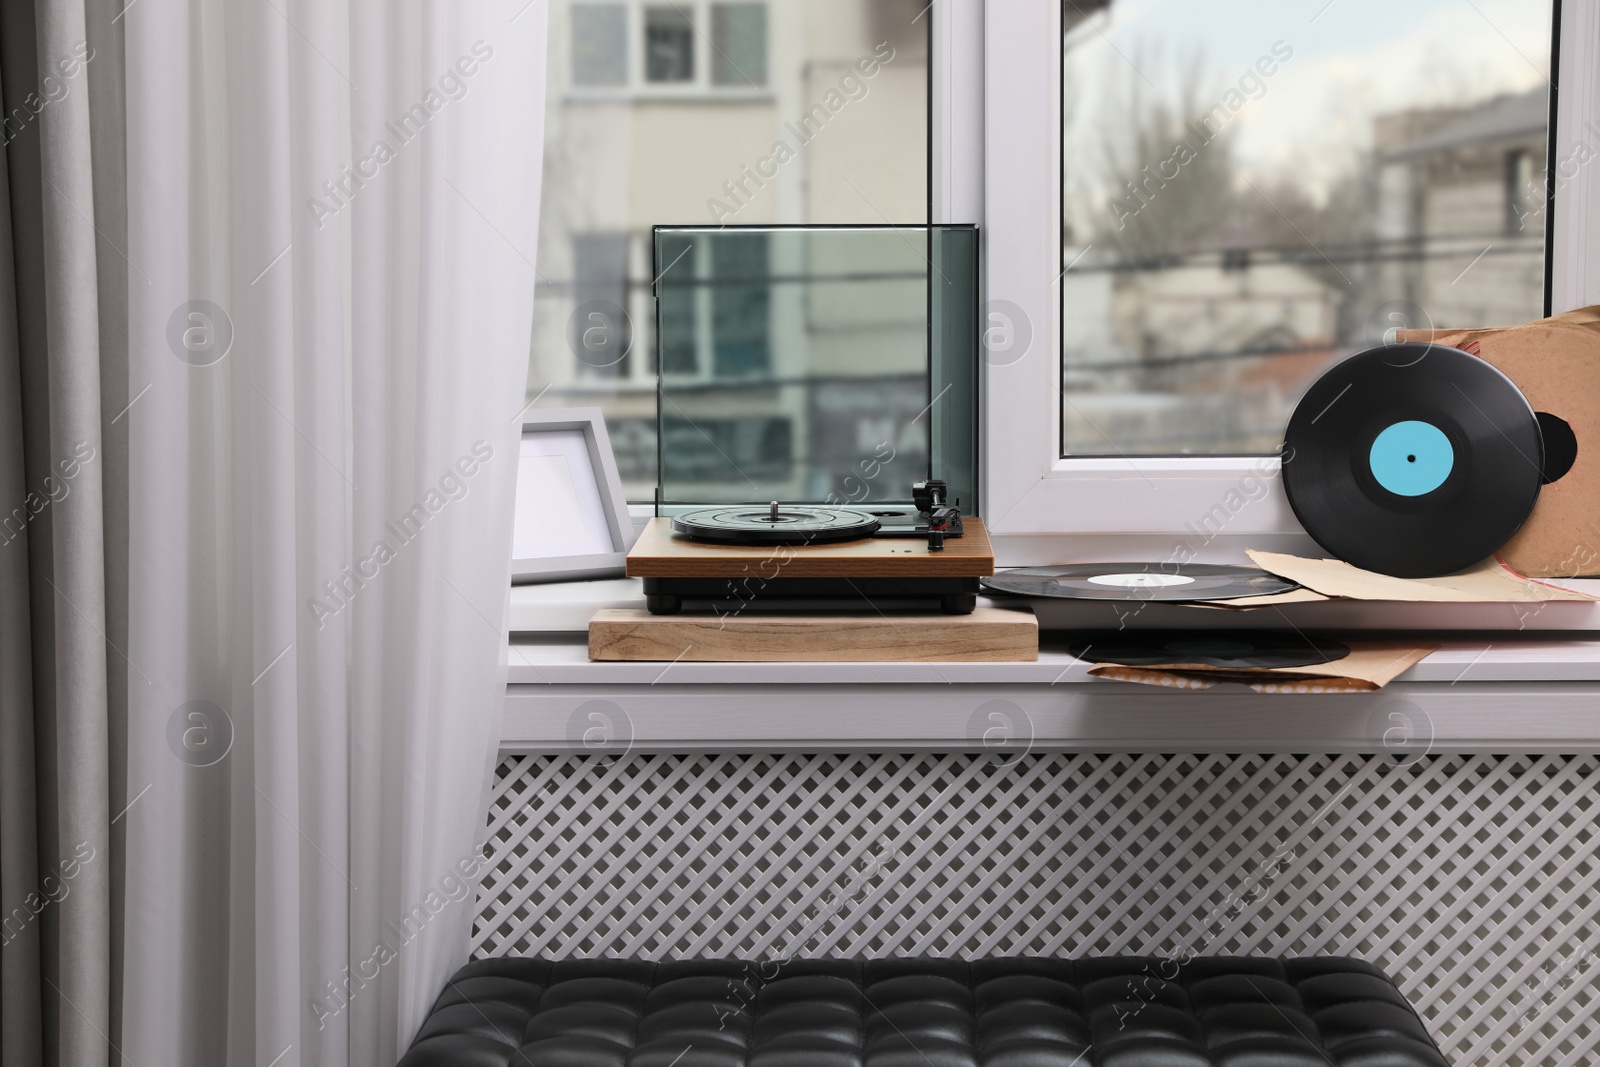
{"x":1471,"y":879}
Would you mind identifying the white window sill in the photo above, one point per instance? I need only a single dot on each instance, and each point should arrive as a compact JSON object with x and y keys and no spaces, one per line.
{"x":1479,"y":693}
{"x":566,"y":607}
{"x":1524,"y":696}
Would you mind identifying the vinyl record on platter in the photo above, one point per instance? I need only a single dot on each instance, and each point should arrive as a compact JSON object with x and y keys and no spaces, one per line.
{"x":774,"y":524}
{"x":1413,"y":460}
{"x":1139,"y":581}
{"x":1228,"y":650}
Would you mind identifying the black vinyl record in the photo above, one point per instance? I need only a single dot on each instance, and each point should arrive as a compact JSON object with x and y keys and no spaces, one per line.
{"x":1225,"y":649}
{"x":774,"y":524}
{"x":1139,"y":581}
{"x":1413,"y":460}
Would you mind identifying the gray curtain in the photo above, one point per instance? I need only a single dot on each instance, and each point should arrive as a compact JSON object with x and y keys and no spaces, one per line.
{"x":63,"y":530}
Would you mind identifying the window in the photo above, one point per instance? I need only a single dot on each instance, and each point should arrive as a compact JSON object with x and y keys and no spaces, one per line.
{"x":679,"y":310}
{"x":1249,"y":197}
{"x":599,"y":44}
{"x":740,"y":314}
{"x":713,"y":327}
{"x":739,"y":44}
{"x":1219,"y":201}
{"x":691,"y":113}
{"x":668,"y":45}
{"x":649,"y":47}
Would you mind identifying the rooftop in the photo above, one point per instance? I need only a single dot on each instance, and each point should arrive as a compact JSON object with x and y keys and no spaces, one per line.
{"x":1498,"y":119}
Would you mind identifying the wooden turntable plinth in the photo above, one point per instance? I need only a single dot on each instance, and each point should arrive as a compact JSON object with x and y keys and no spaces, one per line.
{"x":883,"y":571}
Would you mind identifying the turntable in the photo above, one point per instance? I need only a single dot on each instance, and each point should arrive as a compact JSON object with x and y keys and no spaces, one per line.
{"x":730,"y":557}
{"x":807,"y":376}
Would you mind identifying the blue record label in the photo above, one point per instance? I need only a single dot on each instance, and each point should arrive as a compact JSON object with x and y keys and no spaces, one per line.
{"x":1411,"y":458}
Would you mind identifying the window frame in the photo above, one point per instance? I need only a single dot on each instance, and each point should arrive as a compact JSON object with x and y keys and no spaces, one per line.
{"x":1142,"y":506}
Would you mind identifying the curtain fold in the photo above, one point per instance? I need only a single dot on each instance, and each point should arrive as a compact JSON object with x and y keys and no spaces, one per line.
{"x":63,"y":573}
{"x":266,"y":280}
{"x":332,"y":217}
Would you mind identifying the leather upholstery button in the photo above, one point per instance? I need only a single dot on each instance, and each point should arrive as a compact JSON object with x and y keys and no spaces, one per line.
{"x":1000,"y":1012}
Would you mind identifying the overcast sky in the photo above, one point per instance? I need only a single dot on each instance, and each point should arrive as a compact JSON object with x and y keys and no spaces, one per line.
{"x":1353,"y":59}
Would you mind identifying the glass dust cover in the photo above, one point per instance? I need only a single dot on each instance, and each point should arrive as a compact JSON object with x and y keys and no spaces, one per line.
{"x":813,"y":364}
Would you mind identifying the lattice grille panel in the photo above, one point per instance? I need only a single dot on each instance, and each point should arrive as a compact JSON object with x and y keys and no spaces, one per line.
{"x":1473,"y":880}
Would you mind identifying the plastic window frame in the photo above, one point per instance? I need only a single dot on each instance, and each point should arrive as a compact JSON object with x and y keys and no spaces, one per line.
{"x":997,"y":144}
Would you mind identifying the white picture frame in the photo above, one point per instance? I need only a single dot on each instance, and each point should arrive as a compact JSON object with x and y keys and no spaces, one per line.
{"x":572,"y":518}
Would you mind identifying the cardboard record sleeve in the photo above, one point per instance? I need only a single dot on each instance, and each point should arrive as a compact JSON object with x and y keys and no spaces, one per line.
{"x":1556,"y":364}
{"x":1370,"y":666}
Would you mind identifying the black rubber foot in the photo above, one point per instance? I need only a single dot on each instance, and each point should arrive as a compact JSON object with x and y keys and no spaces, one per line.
{"x":665,"y":604}
{"x":958,"y":603}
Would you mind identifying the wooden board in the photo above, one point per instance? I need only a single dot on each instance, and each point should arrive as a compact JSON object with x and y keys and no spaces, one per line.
{"x":659,"y":554}
{"x":988,"y":635}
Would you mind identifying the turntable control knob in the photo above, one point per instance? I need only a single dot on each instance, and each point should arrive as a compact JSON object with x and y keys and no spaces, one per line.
{"x":774,"y":511}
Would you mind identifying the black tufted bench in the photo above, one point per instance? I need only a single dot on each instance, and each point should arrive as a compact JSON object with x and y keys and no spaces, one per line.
{"x":1024,"y":1012}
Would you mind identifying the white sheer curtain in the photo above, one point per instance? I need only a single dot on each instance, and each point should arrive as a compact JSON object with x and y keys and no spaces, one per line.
{"x":332,"y":215}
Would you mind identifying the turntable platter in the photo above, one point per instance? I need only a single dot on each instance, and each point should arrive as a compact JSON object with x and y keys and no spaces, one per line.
{"x":774,"y":524}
